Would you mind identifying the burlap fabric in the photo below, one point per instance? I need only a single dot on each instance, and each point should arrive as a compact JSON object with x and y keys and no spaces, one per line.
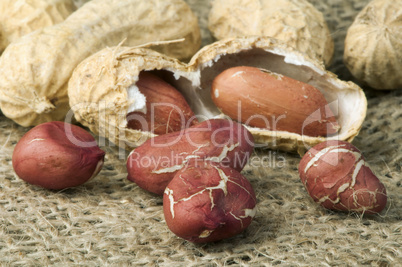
{"x":110,"y":221}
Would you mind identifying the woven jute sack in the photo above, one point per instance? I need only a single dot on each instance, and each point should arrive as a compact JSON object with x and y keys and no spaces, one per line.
{"x":111,"y":221}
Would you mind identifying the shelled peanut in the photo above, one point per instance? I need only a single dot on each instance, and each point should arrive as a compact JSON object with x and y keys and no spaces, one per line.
{"x":153,"y":164}
{"x":197,"y":170}
{"x":57,"y":155}
{"x":267,"y":100}
{"x":207,"y":202}
{"x":337,"y":176}
{"x":165,"y":111}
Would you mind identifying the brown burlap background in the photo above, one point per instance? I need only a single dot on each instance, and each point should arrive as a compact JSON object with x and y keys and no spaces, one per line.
{"x":110,"y":221}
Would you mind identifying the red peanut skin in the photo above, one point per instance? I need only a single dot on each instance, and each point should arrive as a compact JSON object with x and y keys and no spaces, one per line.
{"x":201,"y":206}
{"x":340,"y":179}
{"x":172,"y":112}
{"x":46,"y":157}
{"x":203,"y":141}
{"x":280,"y":104}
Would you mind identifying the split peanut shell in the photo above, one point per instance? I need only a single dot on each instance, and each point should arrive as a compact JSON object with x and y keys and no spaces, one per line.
{"x":346,"y":99}
{"x":102,"y":90}
{"x":107,"y":77}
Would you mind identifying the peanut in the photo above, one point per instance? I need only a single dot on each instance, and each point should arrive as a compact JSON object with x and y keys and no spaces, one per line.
{"x":153,"y":164}
{"x":20,"y":17}
{"x":336,"y":176}
{"x":57,"y":155}
{"x":35,"y":70}
{"x":268,"y":100}
{"x":208,"y":202}
{"x":295,"y":22}
{"x":373,"y":47}
{"x":166,"y":109}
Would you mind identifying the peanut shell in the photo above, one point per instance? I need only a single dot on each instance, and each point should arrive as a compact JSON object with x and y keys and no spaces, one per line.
{"x":34,"y":71}
{"x":80,"y":3}
{"x":20,"y":17}
{"x":296,"y":22}
{"x":373,"y":46}
{"x":107,"y":76}
{"x":102,"y":90}
{"x":346,"y":100}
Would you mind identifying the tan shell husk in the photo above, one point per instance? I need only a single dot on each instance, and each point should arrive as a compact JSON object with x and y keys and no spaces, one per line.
{"x":274,"y":55}
{"x":296,"y":22}
{"x":373,"y":46}
{"x":20,"y":17}
{"x":34,"y":71}
{"x":109,"y":74}
{"x":80,"y":3}
{"x":98,"y":90}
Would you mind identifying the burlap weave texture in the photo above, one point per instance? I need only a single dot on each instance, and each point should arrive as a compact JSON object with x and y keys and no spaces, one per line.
{"x":111,"y":222}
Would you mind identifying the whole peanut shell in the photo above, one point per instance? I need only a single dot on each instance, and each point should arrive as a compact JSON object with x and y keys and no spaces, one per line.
{"x":296,"y":22}
{"x":35,"y":70}
{"x":373,"y":46}
{"x":20,"y":17}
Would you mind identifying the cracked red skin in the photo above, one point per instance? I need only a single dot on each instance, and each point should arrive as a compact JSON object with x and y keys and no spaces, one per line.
{"x":56,"y":162}
{"x":332,"y":170}
{"x":217,"y":131}
{"x":196,"y":216}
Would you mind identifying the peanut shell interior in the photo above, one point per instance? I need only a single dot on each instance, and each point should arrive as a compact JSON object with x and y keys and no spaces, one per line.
{"x":194,"y":80}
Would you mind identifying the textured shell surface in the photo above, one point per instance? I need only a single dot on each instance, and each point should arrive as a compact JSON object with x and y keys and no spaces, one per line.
{"x":373,"y":45}
{"x":34,"y":71}
{"x":297,"y":22}
{"x":108,"y":76}
{"x":20,"y":17}
{"x":102,"y":90}
{"x":80,"y":3}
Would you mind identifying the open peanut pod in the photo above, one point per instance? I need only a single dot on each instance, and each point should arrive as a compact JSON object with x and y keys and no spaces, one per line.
{"x":103,"y":91}
{"x":108,"y":76}
{"x":345,"y":99}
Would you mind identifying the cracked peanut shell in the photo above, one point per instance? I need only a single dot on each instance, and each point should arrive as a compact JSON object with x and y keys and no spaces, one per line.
{"x":107,"y":77}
